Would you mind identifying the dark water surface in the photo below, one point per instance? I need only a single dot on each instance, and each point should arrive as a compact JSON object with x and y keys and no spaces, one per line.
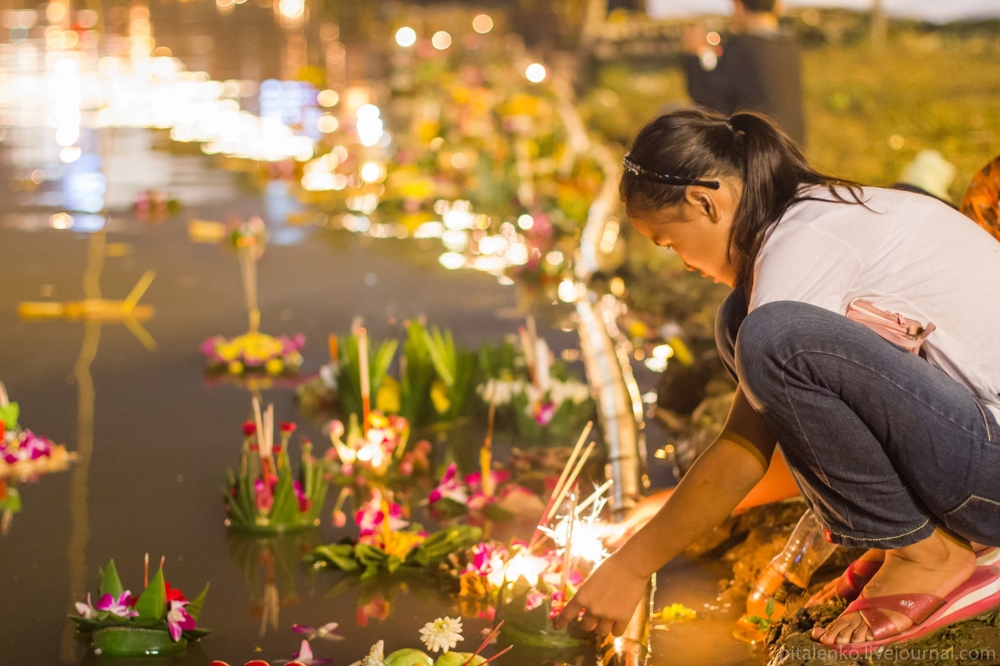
{"x":154,"y":439}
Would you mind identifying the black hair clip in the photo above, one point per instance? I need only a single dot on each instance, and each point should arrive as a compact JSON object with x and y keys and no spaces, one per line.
{"x":637,"y":170}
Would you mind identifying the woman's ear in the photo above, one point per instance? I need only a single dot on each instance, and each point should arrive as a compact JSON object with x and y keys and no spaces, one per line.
{"x":703,"y":201}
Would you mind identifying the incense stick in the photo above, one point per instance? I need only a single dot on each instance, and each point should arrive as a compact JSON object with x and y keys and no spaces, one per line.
{"x":559,"y":484}
{"x":576,"y":473}
{"x":571,"y":461}
{"x":333,"y":344}
{"x":366,"y":388}
{"x":248,"y":271}
{"x":260,"y":423}
{"x":486,"y":454}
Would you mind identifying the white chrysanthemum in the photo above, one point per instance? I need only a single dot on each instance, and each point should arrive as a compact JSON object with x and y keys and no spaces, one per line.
{"x":376,"y":657}
{"x":442,"y":634}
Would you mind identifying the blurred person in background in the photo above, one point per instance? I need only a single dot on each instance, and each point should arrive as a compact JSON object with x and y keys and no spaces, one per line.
{"x":982,"y":200}
{"x":757,"y":68}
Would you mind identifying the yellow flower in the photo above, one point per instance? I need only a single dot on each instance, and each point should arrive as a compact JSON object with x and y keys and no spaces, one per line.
{"x":401,"y":543}
{"x":388,"y":398}
{"x":439,"y":396}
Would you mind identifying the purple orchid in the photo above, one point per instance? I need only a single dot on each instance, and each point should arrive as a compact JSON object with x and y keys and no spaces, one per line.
{"x":544,"y":413}
{"x":327,"y":632}
{"x":178,"y":619}
{"x":371,"y":516}
{"x":86,"y":610}
{"x":487,"y":558}
{"x":122,"y":606}
{"x":450,"y":487}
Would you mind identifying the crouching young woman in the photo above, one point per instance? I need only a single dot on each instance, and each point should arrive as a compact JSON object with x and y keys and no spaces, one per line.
{"x":864,"y":330}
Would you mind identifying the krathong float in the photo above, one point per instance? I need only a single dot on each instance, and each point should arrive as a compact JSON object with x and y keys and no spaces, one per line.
{"x":264,"y":496}
{"x":547,"y":403}
{"x":388,"y":543}
{"x":433,"y":386}
{"x":155,"y":205}
{"x":160,"y":621}
{"x":24,"y":457}
{"x":252,"y":352}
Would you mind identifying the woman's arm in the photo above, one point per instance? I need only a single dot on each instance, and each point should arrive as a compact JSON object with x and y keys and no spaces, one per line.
{"x":776,"y":485}
{"x":715,"y":484}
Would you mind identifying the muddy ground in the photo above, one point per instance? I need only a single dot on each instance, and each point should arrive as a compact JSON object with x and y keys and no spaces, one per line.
{"x":750,"y":540}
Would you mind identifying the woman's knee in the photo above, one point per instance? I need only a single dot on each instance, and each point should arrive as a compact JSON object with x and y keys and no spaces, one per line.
{"x":772,"y":334}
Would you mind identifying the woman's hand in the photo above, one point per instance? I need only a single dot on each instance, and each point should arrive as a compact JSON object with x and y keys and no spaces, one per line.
{"x":609,"y":596}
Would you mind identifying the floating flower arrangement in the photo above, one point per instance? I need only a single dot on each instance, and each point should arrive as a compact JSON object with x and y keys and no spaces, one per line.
{"x":498,"y":500}
{"x":264,"y":496}
{"x":160,"y":621}
{"x":252,"y":352}
{"x":547,"y":403}
{"x":388,"y":544}
{"x":24,"y":457}
{"x":373,"y":451}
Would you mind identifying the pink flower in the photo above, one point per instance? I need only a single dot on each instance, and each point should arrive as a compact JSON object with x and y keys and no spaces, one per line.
{"x":86,"y":610}
{"x":300,"y":495}
{"x":122,"y":606}
{"x":371,"y":516}
{"x":450,"y":487}
{"x":486,"y":558}
{"x":480,"y":501}
{"x":178,"y":619}
{"x":544,"y":413}
{"x":263,"y":497}
{"x":474,"y":480}
{"x":533,"y":600}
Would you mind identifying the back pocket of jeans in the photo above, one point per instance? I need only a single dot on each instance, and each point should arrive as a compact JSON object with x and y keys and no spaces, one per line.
{"x":977,"y":519}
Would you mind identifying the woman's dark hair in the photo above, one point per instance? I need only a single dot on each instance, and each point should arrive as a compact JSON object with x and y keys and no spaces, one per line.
{"x":697,"y":144}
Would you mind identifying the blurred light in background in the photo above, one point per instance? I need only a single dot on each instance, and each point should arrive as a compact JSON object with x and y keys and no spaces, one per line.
{"x":441,"y":40}
{"x":482,"y":24}
{"x":406,"y":37}
{"x":535,"y":72}
{"x":328,"y":98}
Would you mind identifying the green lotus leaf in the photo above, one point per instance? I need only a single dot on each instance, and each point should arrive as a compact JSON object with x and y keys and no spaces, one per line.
{"x":110,"y":582}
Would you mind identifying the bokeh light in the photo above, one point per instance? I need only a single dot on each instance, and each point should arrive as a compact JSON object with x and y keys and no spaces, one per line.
{"x":482,"y":24}
{"x":441,"y":40}
{"x":406,"y":36}
{"x":535,"y":72}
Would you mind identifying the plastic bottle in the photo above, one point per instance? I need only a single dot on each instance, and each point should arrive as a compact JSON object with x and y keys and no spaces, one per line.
{"x":807,"y":549}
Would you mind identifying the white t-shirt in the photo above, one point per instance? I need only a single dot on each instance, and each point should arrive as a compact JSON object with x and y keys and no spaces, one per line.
{"x":909,"y":254}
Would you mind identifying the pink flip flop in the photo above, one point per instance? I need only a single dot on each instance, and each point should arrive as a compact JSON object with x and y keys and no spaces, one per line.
{"x":854,"y":579}
{"x":860,"y":572}
{"x":929,"y":613}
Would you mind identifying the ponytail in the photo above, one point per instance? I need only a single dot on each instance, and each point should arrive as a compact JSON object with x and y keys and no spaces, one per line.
{"x":695,"y":143}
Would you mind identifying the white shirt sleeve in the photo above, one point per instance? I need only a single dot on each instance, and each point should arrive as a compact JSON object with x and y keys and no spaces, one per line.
{"x":807,"y":265}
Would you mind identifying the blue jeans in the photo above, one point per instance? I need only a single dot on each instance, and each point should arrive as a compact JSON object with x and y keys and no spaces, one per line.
{"x":884,"y":446}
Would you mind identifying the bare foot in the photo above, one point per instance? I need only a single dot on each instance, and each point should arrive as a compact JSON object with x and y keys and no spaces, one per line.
{"x":829,"y":592}
{"x":937,"y":565}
